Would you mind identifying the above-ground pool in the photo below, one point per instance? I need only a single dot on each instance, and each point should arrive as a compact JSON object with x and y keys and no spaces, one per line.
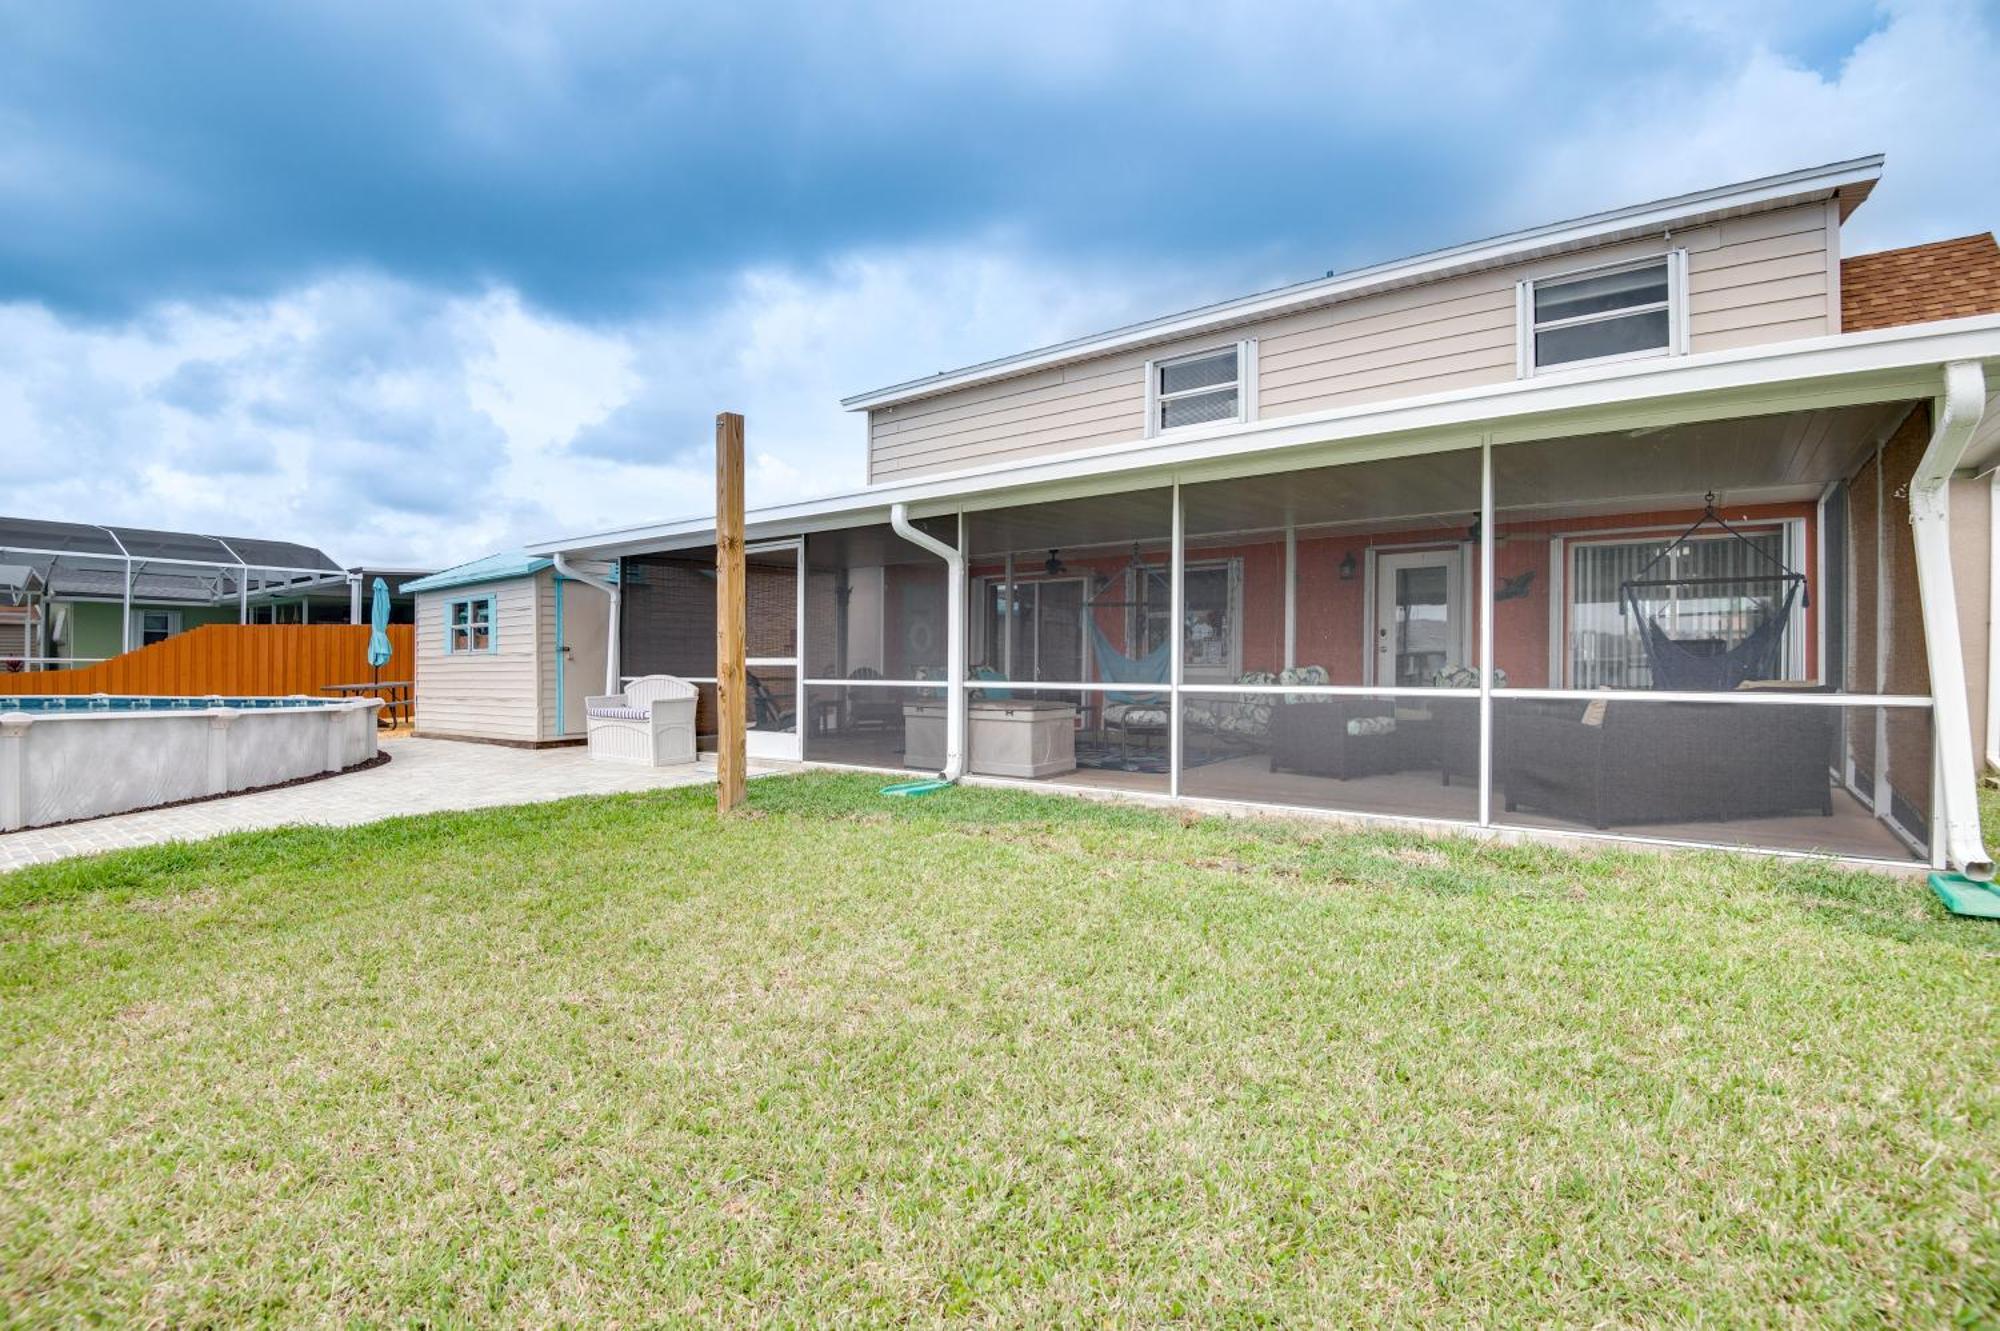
{"x":106,"y":702}
{"x":70,"y":756}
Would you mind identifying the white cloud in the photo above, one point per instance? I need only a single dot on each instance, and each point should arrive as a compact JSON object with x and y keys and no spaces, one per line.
{"x":1920,"y":88}
{"x":390,"y":421}
{"x":387,"y":423}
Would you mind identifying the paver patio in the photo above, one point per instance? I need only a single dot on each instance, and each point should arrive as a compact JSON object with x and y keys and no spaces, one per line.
{"x":421,"y":776}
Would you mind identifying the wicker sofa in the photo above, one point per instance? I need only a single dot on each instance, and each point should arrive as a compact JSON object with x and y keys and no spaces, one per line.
{"x":1619,"y":763}
{"x":1342,"y":738}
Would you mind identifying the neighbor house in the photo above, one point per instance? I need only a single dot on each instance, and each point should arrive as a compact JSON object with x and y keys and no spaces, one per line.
{"x":86,"y":592}
{"x":1666,"y":523}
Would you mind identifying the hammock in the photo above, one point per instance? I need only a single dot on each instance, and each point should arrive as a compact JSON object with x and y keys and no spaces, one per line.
{"x":1115,"y":667}
{"x":1681,"y":665}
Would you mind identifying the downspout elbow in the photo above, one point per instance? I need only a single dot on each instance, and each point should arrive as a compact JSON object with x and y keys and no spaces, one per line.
{"x":610,"y":589}
{"x":954,"y":706}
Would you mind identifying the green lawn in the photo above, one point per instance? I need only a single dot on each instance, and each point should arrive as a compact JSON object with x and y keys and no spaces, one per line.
{"x":991,"y":1057}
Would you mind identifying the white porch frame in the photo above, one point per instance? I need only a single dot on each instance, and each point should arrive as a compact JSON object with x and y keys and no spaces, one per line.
{"x":1892,"y":365}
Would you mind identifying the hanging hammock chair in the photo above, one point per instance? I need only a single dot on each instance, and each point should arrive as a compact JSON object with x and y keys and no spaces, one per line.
{"x":1699,"y":666}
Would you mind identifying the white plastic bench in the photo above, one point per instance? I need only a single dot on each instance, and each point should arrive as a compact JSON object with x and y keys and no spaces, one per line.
{"x":651,"y":723}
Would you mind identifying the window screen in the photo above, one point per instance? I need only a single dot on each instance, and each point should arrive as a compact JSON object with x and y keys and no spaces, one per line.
{"x":1197,"y":390}
{"x":1617,"y":313}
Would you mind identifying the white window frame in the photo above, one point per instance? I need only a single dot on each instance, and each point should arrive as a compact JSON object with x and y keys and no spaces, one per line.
{"x":1563,"y":548}
{"x":139,"y":613}
{"x":1246,"y":388}
{"x":452,"y":628}
{"x":1231,"y":669}
{"x":1526,"y":327}
{"x":981,"y":646}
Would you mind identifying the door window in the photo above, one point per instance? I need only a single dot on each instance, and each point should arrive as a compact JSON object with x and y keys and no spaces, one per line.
{"x":1418,"y":624}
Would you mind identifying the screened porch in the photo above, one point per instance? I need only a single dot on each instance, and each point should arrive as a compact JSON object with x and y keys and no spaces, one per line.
{"x":1704,"y":633}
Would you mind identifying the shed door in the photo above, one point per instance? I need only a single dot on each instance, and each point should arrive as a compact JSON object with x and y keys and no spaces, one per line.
{"x":582,"y":619}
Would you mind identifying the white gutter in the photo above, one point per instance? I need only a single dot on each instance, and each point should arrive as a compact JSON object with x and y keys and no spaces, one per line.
{"x":954,"y":668}
{"x":1957,"y":411}
{"x":610,"y":589}
{"x":1993,"y":622}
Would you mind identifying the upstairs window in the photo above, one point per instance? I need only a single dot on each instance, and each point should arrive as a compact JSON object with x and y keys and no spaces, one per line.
{"x":1611,"y":314}
{"x":469,"y":625}
{"x":1195,"y":390}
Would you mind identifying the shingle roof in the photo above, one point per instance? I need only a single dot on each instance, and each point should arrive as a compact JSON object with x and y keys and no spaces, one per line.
{"x":1947,"y":279}
{"x":109,"y":584}
{"x":38,"y":535}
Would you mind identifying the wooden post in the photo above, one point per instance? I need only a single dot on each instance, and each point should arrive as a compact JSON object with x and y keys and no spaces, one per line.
{"x":730,"y":699}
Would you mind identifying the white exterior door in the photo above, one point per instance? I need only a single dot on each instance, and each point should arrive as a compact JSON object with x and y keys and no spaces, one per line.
{"x":774,"y":598}
{"x":1419,"y":616}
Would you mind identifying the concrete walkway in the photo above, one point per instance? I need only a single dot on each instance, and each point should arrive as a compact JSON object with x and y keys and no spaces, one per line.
{"x":421,"y":776}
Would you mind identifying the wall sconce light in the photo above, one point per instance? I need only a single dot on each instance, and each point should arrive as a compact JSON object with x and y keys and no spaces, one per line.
{"x":1347,"y":567}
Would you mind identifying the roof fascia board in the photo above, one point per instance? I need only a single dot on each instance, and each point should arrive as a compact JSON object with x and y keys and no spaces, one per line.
{"x":1684,"y":210}
{"x":1839,"y":370}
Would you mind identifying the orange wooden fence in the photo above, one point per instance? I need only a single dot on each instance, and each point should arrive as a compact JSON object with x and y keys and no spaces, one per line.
{"x":233,"y":660}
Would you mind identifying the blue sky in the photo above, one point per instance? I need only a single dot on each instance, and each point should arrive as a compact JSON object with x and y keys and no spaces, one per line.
{"x":417,"y":282}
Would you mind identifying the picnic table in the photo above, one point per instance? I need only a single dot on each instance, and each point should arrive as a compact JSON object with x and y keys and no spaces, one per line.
{"x":394,"y":693}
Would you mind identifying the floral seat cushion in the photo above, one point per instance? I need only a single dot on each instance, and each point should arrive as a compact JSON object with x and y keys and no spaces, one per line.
{"x":1465,"y":677}
{"x":1247,"y":717}
{"x":1135,"y":716}
{"x":1309,"y":676}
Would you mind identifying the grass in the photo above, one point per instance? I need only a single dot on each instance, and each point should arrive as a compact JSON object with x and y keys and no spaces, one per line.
{"x":985,"y":1057}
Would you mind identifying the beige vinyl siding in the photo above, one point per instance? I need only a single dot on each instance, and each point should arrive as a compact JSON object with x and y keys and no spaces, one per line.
{"x":1766,"y":281}
{"x":1060,"y":409}
{"x":481,"y":695}
{"x":1758,"y":278}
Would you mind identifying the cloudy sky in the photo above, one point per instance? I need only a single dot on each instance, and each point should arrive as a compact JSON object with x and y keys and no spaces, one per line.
{"x":420,"y":281}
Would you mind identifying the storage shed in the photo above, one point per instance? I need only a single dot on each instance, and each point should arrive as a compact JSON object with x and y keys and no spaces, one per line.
{"x":508,"y":648}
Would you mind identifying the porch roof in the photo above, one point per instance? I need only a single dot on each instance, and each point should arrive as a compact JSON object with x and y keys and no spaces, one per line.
{"x":1884,"y":365}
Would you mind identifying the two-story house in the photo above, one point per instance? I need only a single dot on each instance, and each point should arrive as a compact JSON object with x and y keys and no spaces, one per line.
{"x":1656,"y":524}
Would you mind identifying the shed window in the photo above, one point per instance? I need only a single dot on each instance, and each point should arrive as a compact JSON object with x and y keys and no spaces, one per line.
{"x":1604,"y":315}
{"x":1197,"y":390}
{"x":469,"y":625}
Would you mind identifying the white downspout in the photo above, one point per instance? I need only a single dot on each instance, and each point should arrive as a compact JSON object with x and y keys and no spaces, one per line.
{"x":954,"y":698}
{"x":1993,"y":623}
{"x":1957,"y":412}
{"x":610,"y":589}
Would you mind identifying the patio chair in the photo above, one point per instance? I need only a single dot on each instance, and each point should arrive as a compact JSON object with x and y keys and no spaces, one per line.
{"x":872,"y":709}
{"x":651,"y":723}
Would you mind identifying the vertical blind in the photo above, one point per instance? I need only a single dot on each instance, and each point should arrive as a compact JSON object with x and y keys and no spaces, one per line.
{"x":1605,"y":649}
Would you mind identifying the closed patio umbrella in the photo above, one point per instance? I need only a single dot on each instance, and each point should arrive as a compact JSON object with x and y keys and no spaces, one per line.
{"x":379,"y":650}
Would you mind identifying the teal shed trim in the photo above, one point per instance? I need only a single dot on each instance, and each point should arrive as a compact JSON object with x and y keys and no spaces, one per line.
{"x":493,"y":568}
